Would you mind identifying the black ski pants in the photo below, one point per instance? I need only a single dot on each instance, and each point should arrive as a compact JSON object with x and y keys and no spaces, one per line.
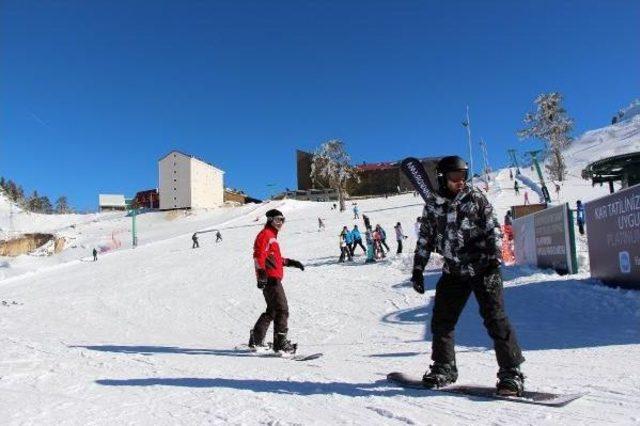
{"x":399,"y":247}
{"x":356,"y":243}
{"x":452,"y":293}
{"x":345,"y":251}
{"x":277,"y":311}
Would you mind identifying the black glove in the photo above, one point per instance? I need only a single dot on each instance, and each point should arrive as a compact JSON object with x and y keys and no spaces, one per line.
{"x":295,"y":264}
{"x":417,"y":278}
{"x":262,"y":278}
{"x":493,"y":279}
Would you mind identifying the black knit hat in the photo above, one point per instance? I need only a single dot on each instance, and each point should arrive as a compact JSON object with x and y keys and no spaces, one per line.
{"x":273,"y":213}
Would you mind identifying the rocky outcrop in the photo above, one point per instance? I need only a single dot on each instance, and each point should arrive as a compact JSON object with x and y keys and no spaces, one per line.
{"x":27,"y":243}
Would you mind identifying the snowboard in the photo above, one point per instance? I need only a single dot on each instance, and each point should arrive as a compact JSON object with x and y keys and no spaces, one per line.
{"x":415,"y":172}
{"x":269,"y":353}
{"x":529,"y":397}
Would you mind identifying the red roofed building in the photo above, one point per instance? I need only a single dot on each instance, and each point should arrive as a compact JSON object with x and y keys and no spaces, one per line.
{"x":375,"y":178}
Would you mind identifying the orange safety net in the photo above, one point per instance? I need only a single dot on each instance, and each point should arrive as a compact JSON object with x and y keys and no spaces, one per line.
{"x":508,"y":253}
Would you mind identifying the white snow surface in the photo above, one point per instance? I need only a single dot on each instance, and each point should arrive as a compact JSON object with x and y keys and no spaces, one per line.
{"x":146,"y":335}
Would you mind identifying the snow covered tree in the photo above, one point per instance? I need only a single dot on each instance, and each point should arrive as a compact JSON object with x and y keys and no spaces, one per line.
{"x":330,"y":166}
{"x":62,"y":205}
{"x":551,"y":124}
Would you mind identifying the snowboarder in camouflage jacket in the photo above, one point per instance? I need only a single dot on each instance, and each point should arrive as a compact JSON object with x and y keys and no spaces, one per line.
{"x":459,"y":223}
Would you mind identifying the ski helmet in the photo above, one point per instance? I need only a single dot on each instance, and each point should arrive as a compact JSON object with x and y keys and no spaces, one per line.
{"x":447,"y":164}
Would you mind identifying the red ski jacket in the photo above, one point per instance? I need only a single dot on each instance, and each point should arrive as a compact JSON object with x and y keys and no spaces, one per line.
{"x":266,"y":253}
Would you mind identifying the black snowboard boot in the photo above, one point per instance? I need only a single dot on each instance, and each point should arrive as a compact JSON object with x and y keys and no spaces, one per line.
{"x":510,"y":382}
{"x":281,"y":344}
{"x":255,"y":344}
{"x":440,"y":374}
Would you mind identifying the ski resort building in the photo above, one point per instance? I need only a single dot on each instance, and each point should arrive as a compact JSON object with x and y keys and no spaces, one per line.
{"x":375,"y":178}
{"x":111,"y":202}
{"x":187,"y":182}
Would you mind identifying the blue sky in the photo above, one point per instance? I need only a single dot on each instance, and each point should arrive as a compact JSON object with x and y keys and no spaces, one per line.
{"x":93,"y":93}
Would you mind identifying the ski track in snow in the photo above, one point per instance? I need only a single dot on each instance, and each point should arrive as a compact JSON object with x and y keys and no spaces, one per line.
{"x":147,"y":335}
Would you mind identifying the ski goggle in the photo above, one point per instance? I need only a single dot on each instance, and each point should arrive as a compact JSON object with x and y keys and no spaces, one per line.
{"x":456,"y":175}
{"x":278,"y":219}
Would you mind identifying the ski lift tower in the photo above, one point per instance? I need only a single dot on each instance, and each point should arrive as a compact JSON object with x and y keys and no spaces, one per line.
{"x":545,"y":191}
{"x":132,"y":211}
{"x":485,"y":159}
{"x":514,"y":160}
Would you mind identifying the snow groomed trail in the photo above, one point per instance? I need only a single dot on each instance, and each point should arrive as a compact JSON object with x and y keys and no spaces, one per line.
{"x":148,"y":335}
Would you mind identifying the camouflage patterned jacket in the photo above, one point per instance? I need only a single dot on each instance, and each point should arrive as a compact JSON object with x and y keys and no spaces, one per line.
{"x":464,"y":230}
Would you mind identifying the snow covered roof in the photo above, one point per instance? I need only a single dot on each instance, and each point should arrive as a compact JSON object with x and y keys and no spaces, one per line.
{"x":111,"y":200}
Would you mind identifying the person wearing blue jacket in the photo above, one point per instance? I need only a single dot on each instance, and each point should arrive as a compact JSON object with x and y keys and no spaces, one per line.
{"x":356,"y":240}
{"x":348,"y":238}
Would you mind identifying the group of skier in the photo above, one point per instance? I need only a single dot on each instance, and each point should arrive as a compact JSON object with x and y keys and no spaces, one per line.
{"x":375,"y":239}
{"x":459,"y":223}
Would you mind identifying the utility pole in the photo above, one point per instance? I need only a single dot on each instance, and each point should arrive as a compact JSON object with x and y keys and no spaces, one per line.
{"x":545,"y":191}
{"x":467,"y":124}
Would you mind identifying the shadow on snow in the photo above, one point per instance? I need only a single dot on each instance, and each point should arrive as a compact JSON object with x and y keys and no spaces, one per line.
{"x":151,"y":350}
{"x":560,"y":314}
{"x":380,"y":388}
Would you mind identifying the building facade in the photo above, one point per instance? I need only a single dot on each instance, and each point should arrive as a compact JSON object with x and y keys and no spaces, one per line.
{"x":149,"y":199}
{"x":111,"y":202}
{"x":234,"y":196}
{"x":375,"y":178}
{"x":186,"y":182}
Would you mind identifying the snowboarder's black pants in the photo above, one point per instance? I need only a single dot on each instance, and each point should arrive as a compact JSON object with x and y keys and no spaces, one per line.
{"x":195,"y":244}
{"x":384,"y":243}
{"x":399,"y":247}
{"x":581,"y":228}
{"x":277,"y":311}
{"x":452,"y":293}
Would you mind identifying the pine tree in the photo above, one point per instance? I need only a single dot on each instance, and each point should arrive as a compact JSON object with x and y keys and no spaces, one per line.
{"x":62,"y":205}
{"x":45,"y":205}
{"x":33,"y":203}
{"x":551,"y":124}
{"x":330,"y":163}
{"x":20,"y":196}
{"x":12,"y":190}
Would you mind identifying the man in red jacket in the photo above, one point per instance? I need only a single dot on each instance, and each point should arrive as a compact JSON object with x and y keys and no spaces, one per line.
{"x":269,"y":272}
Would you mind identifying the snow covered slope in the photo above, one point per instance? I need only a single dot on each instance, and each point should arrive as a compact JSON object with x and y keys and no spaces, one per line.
{"x":147,"y":335}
